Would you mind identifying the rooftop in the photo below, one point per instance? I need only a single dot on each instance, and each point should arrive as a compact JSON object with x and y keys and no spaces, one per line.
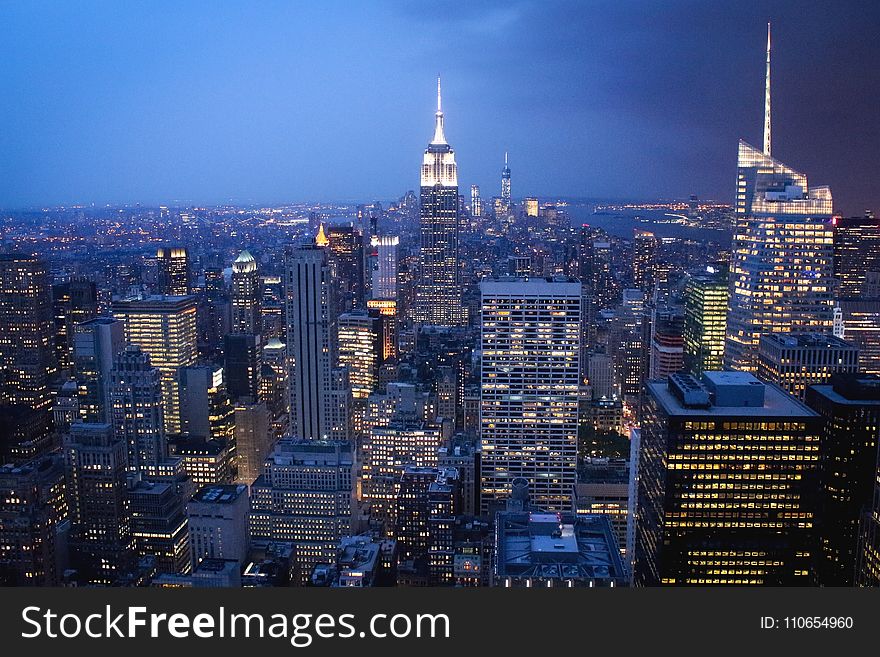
{"x":220,"y":494}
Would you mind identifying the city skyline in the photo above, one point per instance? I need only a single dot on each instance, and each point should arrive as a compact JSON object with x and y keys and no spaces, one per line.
{"x":252,"y":125}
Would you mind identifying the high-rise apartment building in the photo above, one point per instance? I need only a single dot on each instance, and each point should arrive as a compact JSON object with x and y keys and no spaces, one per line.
{"x":165,"y":328}
{"x":529,"y":388}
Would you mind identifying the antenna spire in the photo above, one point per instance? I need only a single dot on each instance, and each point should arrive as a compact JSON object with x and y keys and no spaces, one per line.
{"x":767,"y":99}
{"x":439,"y":137}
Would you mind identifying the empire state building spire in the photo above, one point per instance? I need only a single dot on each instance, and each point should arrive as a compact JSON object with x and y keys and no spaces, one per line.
{"x":439,"y":137}
{"x":767,"y":99}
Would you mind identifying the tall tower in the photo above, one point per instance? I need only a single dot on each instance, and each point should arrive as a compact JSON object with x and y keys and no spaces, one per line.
{"x":307,"y":279}
{"x":505,"y":184}
{"x":782,"y":263}
{"x":164,"y":327}
{"x":174,"y":270}
{"x":767,"y":99}
{"x":529,"y":388}
{"x":246,"y":295}
{"x":438,"y":299}
{"x":136,"y":410}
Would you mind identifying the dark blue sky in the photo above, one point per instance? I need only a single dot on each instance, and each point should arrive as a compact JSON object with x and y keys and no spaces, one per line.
{"x":282,"y":101}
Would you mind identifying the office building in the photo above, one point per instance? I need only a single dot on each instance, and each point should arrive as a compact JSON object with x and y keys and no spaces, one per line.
{"x":529,"y":388}
{"x":476,"y":202}
{"x":304,"y":497}
{"x":726,"y":491}
{"x":242,"y":366}
{"x":100,"y":539}
{"x":165,"y":328}
{"x":644,"y":246}
{"x":849,"y":405}
{"x":33,"y":503}
{"x":173,"y":277}
{"x":667,"y":343}
{"x":384,"y":274}
{"x":137,"y":408}
{"x":856,"y":255}
{"x":307,"y":277}
{"x":218,"y":523}
{"x":705,"y":321}
{"x":539,"y":550}
{"x":73,"y":302}
{"x":247,"y":296}
{"x":206,"y":411}
{"x":795,"y":361}
{"x":361,"y":350}
{"x":26,"y":329}
{"x":252,"y":440}
{"x":96,"y":343}
{"x":159,"y":527}
{"x":438,"y":295}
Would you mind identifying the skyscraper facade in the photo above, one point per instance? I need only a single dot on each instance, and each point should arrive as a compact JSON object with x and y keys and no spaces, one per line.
{"x":705,"y":321}
{"x":165,"y":328}
{"x":95,"y":345}
{"x":247,"y":295}
{"x":438,"y":296}
{"x":173,"y":276}
{"x":307,"y":281}
{"x":856,"y":255}
{"x":529,"y":388}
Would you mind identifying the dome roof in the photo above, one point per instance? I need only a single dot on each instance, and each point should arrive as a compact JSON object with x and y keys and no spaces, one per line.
{"x":244,"y":262}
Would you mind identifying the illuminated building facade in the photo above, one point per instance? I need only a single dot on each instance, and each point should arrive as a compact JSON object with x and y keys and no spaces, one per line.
{"x":387,"y":310}
{"x":25,"y":331}
{"x":726,"y":491}
{"x":304,"y":497}
{"x":438,"y":295}
{"x":506,"y":200}
{"x":218,"y":523}
{"x":159,"y":527}
{"x":384,"y":283}
{"x":476,"y":202}
{"x":307,"y":281}
{"x":849,"y":405}
{"x":165,"y":328}
{"x":667,"y":343}
{"x":361,"y":350}
{"x":173,"y":271}
{"x":247,"y":295}
{"x":782,"y":266}
{"x":795,"y":361}
{"x":644,"y":259}
{"x":137,"y":408}
{"x":73,"y":302}
{"x":95,"y":344}
{"x":856,"y":255}
{"x":705,"y":321}
{"x":529,"y":388}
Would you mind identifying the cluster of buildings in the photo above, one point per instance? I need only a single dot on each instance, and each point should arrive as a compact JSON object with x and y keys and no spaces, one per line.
{"x":452,"y":393}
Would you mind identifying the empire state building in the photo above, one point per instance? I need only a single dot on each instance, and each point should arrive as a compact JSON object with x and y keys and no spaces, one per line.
{"x":438,"y":297}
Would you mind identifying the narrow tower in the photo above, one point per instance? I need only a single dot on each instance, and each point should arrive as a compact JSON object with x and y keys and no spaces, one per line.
{"x":767,"y":99}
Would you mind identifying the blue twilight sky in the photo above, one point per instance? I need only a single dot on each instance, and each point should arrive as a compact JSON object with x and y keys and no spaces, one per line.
{"x":153,"y":101}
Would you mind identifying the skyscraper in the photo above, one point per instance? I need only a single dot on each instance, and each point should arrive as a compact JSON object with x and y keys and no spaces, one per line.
{"x":644,"y":260}
{"x":101,"y":540}
{"x":438,"y":296}
{"x":173,"y":276}
{"x":505,"y":185}
{"x":384,"y":285}
{"x":849,"y":405}
{"x":726,"y":483}
{"x":164,"y":327}
{"x":360,"y":350}
{"x":304,"y":497}
{"x":781,"y":276}
{"x":247,"y":295}
{"x":136,"y":409}
{"x":307,"y":278}
{"x":705,"y":321}
{"x":795,"y":361}
{"x":529,"y":380}
{"x":73,"y":302}
{"x":95,"y":344}
{"x":25,"y":331}
{"x":856,"y":254}
{"x":476,"y":202}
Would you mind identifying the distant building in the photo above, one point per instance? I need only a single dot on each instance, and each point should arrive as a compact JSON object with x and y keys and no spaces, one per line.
{"x":159,"y":526}
{"x":705,"y":321}
{"x":247,"y":295}
{"x":174,"y":275}
{"x":95,"y":344}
